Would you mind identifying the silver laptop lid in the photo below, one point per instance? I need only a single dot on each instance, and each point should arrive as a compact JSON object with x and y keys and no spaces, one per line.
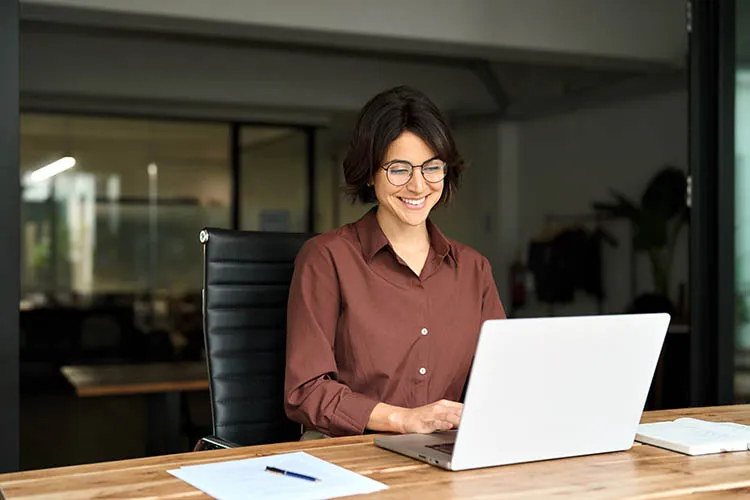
{"x":557,"y":387}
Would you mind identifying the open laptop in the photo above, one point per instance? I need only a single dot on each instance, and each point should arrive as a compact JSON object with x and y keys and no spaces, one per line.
{"x":547,"y":388}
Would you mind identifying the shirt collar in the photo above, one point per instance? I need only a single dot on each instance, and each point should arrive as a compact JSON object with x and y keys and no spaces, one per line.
{"x":373,"y":239}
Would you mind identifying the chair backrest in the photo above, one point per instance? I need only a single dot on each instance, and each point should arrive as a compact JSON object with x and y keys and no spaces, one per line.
{"x":246,"y":277}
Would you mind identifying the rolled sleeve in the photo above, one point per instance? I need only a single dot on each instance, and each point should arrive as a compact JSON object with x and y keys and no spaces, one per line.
{"x":313,"y":395}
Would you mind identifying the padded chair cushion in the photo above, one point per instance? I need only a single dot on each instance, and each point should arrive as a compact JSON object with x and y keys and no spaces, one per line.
{"x":246,"y":284}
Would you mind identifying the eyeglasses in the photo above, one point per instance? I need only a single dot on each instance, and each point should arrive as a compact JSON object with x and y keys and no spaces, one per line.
{"x":400,"y":172}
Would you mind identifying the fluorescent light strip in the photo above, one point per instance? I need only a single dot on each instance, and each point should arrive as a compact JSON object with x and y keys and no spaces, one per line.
{"x":52,"y":169}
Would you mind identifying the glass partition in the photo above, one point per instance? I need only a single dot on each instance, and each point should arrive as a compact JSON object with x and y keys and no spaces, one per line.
{"x":274,"y":184}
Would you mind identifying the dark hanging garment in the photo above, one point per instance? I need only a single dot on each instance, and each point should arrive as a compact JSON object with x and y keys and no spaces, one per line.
{"x":590,"y":276}
{"x":541,"y":266}
{"x":570,"y":261}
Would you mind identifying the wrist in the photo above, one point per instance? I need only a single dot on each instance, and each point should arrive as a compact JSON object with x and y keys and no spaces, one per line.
{"x":388,"y":418}
{"x":396,"y":420}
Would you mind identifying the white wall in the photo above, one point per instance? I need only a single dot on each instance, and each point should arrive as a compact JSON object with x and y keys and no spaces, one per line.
{"x":508,"y":201}
{"x":626,"y":30}
{"x":471,"y":217}
{"x":569,"y":161}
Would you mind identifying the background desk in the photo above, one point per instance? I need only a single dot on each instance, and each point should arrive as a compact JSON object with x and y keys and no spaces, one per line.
{"x":162,"y":383}
{"x":643,"y":472}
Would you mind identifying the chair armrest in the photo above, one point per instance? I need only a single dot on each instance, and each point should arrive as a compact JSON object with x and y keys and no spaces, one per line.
{"x":213,"y":443}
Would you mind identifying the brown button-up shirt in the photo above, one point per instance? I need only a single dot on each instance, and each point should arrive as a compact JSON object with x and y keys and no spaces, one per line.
{"x":363,"y":328}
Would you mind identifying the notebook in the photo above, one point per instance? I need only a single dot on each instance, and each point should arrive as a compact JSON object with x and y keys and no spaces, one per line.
{"x":692,"y":436}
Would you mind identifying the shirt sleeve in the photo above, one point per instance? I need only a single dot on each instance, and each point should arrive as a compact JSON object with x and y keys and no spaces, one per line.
{"x":492,"y":308}
{"x":313,"y":395}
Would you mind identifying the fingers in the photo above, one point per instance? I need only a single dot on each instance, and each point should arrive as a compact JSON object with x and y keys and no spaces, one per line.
{"x":453,"y":419}
{"x":448,"y":420}
{"x":441,"y":415}
{"x":446,"y":408}
{"x":432,"y":424}
{"x":442,"y":425}
{"x":446,"y":403}
{"x":447,"y":415}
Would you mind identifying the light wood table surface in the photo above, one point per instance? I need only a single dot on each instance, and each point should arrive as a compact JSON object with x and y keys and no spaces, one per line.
{"x":161,"y":383}
{"x":643,"y":472}
{"x":118,"y":380}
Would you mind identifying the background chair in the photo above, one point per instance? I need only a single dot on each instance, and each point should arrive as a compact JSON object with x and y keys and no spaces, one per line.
{"x":246,"y":277}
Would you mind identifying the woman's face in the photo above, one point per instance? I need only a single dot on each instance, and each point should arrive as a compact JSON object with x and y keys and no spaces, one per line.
{"x":411,"y":203}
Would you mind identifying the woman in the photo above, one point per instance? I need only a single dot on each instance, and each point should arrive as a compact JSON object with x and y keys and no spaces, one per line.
{"x":384,"y":313}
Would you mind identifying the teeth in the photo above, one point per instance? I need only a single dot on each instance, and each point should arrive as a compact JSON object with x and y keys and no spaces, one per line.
{"x":413,"y":202}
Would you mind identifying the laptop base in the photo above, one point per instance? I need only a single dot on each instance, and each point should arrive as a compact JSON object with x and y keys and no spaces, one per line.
{"x":418,"y":446}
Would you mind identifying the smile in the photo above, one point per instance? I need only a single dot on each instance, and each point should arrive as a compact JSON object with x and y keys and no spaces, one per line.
{"x":414,"y":202}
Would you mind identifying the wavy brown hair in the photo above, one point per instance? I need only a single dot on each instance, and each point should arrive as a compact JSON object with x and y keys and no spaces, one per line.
{"x":381,"y":121}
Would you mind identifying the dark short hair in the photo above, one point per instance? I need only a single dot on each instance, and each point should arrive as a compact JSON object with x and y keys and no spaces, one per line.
{"x":380,"y":122}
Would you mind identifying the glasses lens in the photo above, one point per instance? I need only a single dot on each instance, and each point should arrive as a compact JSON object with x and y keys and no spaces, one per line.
{"x":399,"y":173}
{"x":435,"y":170}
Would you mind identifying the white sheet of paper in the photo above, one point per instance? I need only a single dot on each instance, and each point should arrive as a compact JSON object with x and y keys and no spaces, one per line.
{"x":248,"y":479}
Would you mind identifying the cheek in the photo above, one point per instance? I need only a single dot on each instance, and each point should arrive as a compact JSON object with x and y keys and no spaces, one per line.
{"x":438,"y":188}
{"x":383,"y":191}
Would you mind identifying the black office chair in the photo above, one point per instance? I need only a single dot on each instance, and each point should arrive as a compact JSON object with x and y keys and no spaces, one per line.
{"x":246,"y":277}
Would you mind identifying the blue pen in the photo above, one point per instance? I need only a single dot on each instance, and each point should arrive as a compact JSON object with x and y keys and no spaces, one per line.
{"x":276,"y":470}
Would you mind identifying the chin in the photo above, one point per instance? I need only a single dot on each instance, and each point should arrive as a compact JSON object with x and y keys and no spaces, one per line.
{"x":414,"y":218}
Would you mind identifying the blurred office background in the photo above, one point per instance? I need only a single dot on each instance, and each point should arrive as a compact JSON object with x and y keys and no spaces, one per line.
{"x":180,"y":115}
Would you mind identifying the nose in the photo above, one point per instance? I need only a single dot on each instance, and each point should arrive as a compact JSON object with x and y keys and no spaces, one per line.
{"x":416,"y":183}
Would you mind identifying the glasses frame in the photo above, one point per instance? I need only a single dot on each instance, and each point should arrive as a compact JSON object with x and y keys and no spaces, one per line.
{"x":386,"y":166}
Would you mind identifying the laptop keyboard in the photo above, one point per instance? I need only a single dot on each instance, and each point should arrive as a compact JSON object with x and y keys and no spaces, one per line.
{"x":444,"y":447}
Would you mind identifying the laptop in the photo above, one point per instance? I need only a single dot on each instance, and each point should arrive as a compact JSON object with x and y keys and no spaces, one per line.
{"x":547,"y":388}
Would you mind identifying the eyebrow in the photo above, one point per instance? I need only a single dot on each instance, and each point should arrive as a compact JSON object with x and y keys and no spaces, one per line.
{"x":410,"y":163}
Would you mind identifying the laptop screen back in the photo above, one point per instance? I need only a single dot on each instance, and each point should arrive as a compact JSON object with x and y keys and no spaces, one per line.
{"x":557,"y":387}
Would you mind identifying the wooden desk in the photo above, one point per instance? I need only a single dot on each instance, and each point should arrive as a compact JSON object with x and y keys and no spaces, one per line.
{"x":118,"y":380}
{"x":162,"y":383}
{"x":643,"y":472}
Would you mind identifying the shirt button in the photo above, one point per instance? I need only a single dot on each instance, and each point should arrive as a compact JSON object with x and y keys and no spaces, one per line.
{"x":424,"y":331}
{"x":422,"y":371}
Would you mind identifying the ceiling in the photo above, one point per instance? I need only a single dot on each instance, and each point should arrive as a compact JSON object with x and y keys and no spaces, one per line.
{"x":519,"y":89}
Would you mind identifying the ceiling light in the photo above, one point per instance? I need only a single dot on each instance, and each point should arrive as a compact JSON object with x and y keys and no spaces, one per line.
{"x":52,"y":169}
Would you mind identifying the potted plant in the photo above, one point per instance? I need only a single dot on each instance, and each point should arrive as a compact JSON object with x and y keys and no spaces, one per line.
{"x":656,"y":220}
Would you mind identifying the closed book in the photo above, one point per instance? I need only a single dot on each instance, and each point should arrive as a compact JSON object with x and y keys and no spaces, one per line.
{"x":692,"y":436}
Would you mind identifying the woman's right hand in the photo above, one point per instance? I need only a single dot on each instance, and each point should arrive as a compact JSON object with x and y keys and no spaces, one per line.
{"x":441,"y":415}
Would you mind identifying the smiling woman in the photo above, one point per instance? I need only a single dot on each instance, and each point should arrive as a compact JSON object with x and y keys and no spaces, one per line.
{"x":384,"y":313}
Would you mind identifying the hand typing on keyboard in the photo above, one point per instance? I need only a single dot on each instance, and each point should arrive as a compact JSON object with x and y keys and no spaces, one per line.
{"x":441,"y":415}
